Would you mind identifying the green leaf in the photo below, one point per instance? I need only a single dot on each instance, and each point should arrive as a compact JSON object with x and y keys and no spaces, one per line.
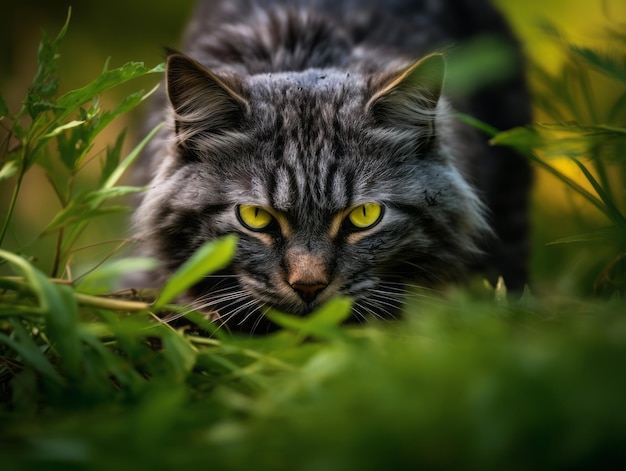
{"x":9,"y":169}
{"x":58,"y":305}
{"x":87,"y":206}
{"x":80,"y":213}
{"x":126,"y":105}
{"x":211,"y":257}
{"x":71,"y":101}
{"x":611,"y":209}
{"x":610,"y":65}
{"x":106,"y":278}
{"x":482,"y":126}
{"x":560,"y":140}
{"x":127,"y":162}
{"x":45,"y":291}
{"x":32,"y":356}
{"x":58,"y":130}
{"x":178,"y":352}
{"x":112,"y":159}
{"x":40,"y":97}
{"x":600,"y":235}
{"x":323,"y":323}
{"x":62,"y":329}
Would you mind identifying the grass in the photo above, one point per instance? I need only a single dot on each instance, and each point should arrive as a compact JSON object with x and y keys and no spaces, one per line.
{"x":90,"y":379}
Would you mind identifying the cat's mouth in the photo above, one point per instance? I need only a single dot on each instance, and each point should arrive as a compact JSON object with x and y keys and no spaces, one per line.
{"x":297,"y":298}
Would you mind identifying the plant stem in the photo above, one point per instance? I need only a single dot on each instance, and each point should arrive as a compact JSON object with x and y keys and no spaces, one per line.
{"x":57,"y":255}
{"x":112,"y":304}
{"x":12,"y":204}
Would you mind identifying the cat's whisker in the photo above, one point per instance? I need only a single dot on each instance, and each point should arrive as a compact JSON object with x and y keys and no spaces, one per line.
{"x":260,"y":317}
{"x":229,"y":315}
{"x":356,"y":309}
{"x":370,"y":311}
{"x":253,"y":302}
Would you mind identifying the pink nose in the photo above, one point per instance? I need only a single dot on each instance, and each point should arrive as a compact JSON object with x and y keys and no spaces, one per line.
{"x":308,"y":292}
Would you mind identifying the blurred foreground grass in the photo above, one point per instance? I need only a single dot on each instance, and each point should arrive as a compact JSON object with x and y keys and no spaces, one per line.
{"x":90,"y":379}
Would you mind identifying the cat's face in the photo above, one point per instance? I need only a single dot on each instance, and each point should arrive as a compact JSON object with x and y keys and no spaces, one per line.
{"x":335,"y":185}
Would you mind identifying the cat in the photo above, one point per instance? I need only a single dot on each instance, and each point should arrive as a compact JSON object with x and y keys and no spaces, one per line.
{"x":319,"y":132}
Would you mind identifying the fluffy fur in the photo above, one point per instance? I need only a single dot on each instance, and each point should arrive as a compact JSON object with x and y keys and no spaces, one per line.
{"x":308,"y":110}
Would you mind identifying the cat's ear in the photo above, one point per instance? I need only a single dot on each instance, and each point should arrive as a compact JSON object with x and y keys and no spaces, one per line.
{"x":202,"y":102}
{"x":409,"y":97}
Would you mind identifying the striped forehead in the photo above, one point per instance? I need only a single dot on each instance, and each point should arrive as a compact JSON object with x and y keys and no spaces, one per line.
{"x":304,"y":131}
{"x":300,"y":188}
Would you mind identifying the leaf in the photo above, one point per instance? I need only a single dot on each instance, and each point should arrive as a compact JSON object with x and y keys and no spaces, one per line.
{"x":562,"y":139}
{"x":600,"y":235}
{"x":9,"y":169}
{"x":40,"y":97}
{"x":482,"y":126}
{"x":87,"y":206}
{"x":610,"y":65}
{"x":618,"y":109}
{"x":127,"y":162}
{"x":209,"y":258}
{"x":178,"y":352}
{"x":611,"y":209}
{"x":106,"y":278}
{"x":112,"y":159}
{"x":323,"y":323}
{"x":58,"y":130}
{"x":113,"y":365}
{"x":58,"y":305}
{"x":80,"y":213}
{"x":126,"y":105}
{"x":71,"y":101}
{"x":32,"y":356}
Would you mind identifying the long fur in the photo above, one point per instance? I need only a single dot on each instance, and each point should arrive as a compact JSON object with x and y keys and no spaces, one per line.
{"x":309,"y":109}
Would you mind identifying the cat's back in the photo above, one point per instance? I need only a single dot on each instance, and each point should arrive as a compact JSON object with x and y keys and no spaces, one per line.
{"x":264,"y":36}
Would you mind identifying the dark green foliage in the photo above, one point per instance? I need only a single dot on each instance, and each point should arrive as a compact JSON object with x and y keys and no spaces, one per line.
{"x":467,"y":380}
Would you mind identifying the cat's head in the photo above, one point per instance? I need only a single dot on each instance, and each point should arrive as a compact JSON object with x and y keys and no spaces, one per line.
{"x":336,"y":183}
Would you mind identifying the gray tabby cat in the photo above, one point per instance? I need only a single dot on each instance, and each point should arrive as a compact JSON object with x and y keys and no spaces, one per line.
{"x":317,"y":132}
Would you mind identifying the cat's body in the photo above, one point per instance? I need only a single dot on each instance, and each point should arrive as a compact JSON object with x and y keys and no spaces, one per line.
{"x":308,"y":129}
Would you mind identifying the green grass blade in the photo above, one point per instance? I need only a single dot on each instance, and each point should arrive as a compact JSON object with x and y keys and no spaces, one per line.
{"x":59,"y":307}
{"x":33,"y":358}
{"x":478,"y":124}
{"x":180,"y":354}
{"x":600,"y":235}
{"x":323,"y":323}
{"x":612,"y":212}
{"x":210,"y":257}
{"x":132,"y":156}
{"x":106,"y":278}
{"x":611,"y":66}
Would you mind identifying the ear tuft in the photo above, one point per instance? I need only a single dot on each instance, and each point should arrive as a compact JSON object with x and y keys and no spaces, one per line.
{"x":202,"y":101}
{"x":409,"y":97}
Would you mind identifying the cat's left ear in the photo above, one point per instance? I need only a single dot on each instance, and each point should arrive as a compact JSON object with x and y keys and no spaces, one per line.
{"x":410,"y":96}
{"x":202,"y":101}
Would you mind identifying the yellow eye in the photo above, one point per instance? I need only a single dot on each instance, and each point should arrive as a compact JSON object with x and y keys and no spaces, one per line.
{"x":254,"y":217}
{"x":366,"y":215}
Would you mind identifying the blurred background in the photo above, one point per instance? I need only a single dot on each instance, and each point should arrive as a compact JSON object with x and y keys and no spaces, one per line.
{"x":135,"y":31}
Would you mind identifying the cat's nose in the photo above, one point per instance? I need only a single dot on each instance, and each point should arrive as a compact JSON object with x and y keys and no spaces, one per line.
{"x":308,"y":291}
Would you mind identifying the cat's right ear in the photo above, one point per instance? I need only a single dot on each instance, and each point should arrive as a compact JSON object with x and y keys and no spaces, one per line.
{"x":409,"y":97}
{"x":203,"y":103}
